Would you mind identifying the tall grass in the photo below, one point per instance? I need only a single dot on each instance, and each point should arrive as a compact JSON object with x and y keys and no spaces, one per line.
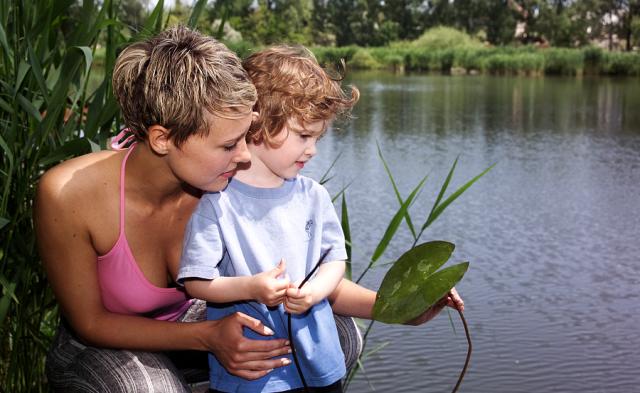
{"x":52,"y":107}
{"x":488,"y":60}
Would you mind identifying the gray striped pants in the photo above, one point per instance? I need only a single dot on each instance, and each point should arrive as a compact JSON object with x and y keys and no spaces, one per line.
{"x":74,"y":367}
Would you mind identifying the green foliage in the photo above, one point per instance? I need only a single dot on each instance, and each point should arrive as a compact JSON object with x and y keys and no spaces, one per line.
{"x":395,"y":303}
{"x":412,"y":284}
{"x":53,"y":106}
{"x":621,"y":64}
{"x":442,"y":38}
{"x":363,"y":59}
{"x":559,"y":61}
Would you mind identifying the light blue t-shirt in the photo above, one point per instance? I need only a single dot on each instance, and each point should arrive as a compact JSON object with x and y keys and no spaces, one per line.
{"x":245,"y":230}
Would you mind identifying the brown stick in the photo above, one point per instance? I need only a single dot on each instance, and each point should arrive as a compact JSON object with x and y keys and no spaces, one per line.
{"x":466,"y":362}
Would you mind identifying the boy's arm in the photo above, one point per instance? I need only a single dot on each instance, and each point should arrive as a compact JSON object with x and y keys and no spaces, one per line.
{"x":313,"y":292}
{"x":265,"y":287}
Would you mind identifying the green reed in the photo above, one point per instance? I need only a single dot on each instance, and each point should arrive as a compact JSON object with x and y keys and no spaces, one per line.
{"x":53,"y":106}
{"x":525,"y":60}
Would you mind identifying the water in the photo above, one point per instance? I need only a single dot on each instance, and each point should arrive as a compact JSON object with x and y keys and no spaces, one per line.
{"x":552,"y":232}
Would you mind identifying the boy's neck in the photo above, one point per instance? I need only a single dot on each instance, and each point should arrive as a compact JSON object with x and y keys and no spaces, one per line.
{"x":256,"y":173}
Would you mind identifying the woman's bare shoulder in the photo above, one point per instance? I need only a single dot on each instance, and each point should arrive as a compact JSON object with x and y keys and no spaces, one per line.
{"x":80,"y":177}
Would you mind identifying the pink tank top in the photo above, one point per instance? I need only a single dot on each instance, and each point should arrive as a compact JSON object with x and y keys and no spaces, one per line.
{"x":124,"y":288}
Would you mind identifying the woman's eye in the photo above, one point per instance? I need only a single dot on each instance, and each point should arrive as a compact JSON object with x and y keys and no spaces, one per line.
{"x":230,"y":147}
{"x":305,"y":136}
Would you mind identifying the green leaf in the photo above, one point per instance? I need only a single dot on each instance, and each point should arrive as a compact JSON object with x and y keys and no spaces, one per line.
{"x":88,"y":57}
{"x":195,"y":14}
{"x":153,"y":23}
{"x":7,"y":150}
{"x":23,"y":70}
{"x":8,"y":293}
{"x":5,"y":106}
{"x":3,"y":222}
{"x":28,"y":107}
{"x":443,"y":189}
{"x":325,"y":177}
{"x":72,"y":148}
{"x":395,"y":190}
{"x":412,"y":285}
{"x":347,"y":234}
{"x":395,"y":223}
{"x":37,"y":72}
{"x":5,"y":45}
{"x":440,"y":208}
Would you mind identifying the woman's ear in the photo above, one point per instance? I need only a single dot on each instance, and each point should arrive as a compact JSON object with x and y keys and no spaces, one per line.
{"x":159,"y":139}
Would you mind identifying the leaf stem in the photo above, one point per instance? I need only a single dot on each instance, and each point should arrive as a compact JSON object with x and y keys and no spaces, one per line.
{"x":466,"y":362}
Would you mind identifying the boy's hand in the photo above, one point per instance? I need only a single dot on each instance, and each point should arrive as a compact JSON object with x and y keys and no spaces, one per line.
{"x":297,"y":301}
{"x":270,"y":287}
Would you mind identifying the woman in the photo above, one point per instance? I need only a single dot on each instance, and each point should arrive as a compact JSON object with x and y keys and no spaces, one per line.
{"x":110,"y":226}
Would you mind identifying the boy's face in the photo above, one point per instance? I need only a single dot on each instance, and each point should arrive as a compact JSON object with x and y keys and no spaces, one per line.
{"x":208,"y":162}
{"x":296,"y":144}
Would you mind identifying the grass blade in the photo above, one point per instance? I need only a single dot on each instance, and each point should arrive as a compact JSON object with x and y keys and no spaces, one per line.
{"x":395,"y":223}
{"x":395,"y":189}
{"x":325,"y":177}
{"x":440,"y":208}
{"x":195,"y":14}
{"x":347,"y":234}
{"x":443,"y":189}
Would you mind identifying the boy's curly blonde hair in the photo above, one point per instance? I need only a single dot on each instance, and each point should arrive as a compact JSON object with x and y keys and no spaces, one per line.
{"x":292,"y":85}
{"x":173,"y":78}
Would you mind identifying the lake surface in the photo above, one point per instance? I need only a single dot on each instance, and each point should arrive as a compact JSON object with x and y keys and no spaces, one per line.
{"x":552,"y":233}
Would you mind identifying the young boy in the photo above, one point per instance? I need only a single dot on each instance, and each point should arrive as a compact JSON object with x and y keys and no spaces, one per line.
{"x":248,"y":247}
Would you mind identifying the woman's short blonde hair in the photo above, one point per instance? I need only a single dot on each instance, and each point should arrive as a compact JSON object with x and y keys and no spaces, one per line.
{"x":292,"y":85}
{"x":173,"y":78}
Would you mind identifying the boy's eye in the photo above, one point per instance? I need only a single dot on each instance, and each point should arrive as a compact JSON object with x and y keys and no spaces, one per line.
{"x":230,"y":147}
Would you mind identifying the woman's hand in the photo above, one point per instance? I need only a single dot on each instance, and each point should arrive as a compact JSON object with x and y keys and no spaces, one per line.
{"x":451,"y":299}
{"x":243,"y":357}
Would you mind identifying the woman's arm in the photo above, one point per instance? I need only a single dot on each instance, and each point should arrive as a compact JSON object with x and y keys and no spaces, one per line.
{"x":69,"y":259}
{"x":353,"y":300}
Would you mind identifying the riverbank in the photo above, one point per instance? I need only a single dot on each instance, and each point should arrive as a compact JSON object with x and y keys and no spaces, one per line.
{"x":508,"y":60}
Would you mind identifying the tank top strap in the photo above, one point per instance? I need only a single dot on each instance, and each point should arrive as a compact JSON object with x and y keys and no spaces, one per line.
{"x":122,"y":174}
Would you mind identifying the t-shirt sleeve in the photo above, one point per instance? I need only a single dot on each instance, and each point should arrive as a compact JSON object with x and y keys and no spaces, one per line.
{"x":332,"y":234}
{"x":202,"y":247}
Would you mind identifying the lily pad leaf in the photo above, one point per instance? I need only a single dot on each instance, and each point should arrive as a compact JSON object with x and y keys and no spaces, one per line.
{"x":412,"y":285}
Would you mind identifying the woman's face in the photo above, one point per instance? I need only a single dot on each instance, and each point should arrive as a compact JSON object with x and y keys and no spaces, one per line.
{"x":208,"y":162}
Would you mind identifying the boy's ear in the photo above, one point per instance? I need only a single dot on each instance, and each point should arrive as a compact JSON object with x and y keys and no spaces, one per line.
{"x":159,"y":139}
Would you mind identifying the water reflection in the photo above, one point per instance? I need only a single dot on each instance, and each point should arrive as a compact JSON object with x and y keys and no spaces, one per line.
{"x":551,"y":233}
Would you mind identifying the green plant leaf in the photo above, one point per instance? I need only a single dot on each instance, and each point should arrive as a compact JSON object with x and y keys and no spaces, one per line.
{"x":23,"y":69}
{"x":325,"y":176}
{"x":443,"y":189}
{"x":37,"y":72}
{"x":5,"y":45}
{"x":5,"y":106}
{"x":440,"y":208}
{"x":29,"y":107}
{"x":395,"y":223}
{"x":88,"y":57}
{"x":153,"y":24}
{"x":3,"y":222}
{"x":72,"y":148}
{"x":395,"y":190}
{"x":412,"y":284}
{"x":195,"y":14}
{"x":347,"y":234}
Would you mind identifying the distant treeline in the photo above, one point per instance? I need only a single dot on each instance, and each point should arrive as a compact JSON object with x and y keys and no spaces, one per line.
{"x":508,"y":60}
